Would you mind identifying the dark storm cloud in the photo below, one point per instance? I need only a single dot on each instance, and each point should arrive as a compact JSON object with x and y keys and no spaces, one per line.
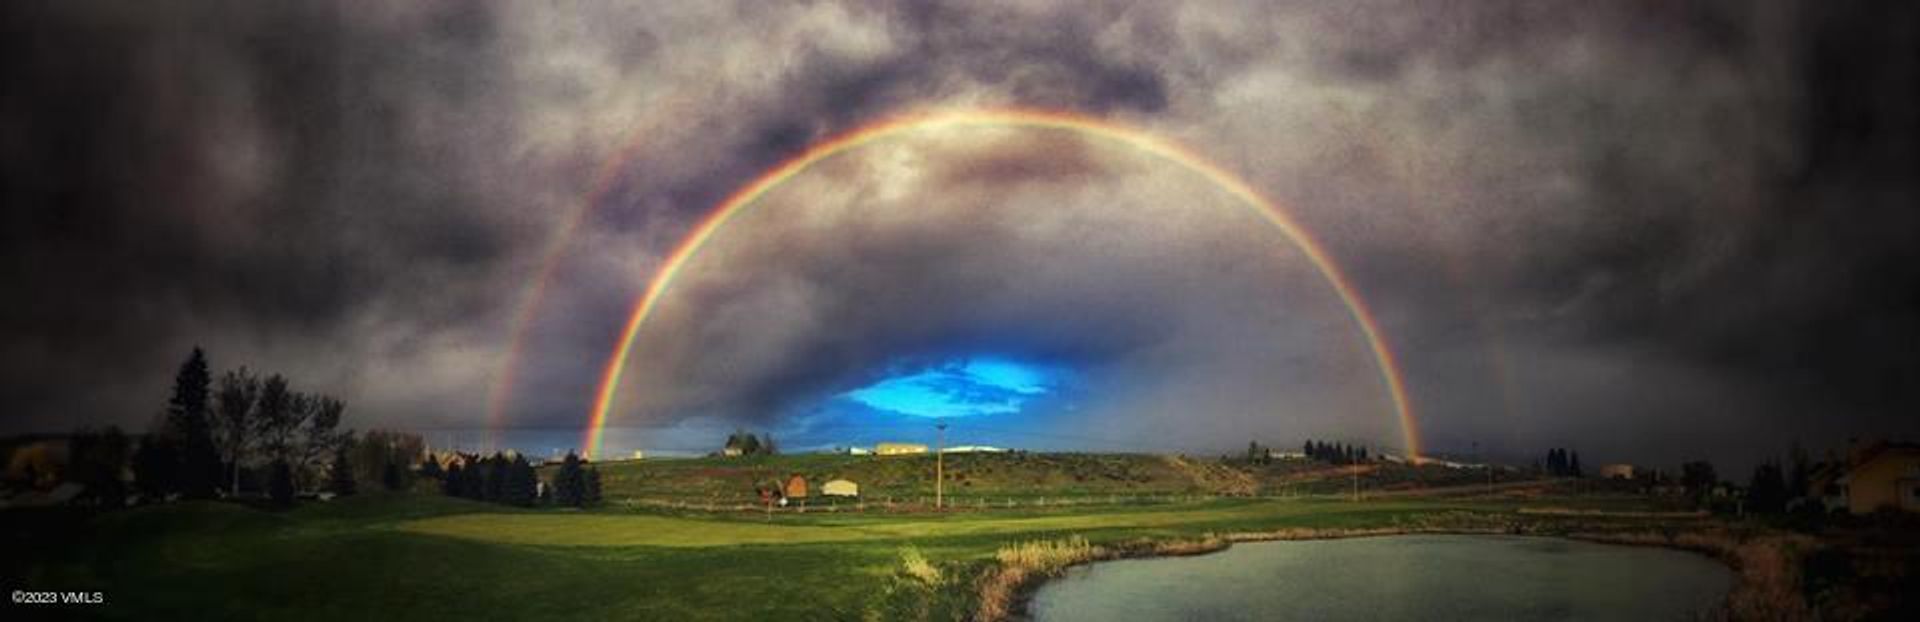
{"x":241,"y":176}
{"x":1579,"y":223}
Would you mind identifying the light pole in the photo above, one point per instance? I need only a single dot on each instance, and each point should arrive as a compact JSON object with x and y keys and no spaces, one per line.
{"x":939,"y":467}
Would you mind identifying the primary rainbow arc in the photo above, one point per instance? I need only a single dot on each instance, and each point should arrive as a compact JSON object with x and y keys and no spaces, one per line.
{"x":747,"y":195}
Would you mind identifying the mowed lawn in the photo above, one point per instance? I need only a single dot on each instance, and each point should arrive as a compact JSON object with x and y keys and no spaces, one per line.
{"x":615,"y":530}
{"x":424,"y":557}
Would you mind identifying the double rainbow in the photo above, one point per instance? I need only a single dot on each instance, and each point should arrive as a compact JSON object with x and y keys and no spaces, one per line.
{"x":747,"y":195}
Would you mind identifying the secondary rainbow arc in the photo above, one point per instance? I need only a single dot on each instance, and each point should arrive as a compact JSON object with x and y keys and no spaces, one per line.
{"x":747,"y":195}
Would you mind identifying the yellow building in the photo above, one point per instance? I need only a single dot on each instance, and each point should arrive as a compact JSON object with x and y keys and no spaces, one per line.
{"x":899,"y":449}
{"x":1885,"y":475}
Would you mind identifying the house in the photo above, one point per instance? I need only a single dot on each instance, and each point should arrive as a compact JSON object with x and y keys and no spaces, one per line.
{"x":730,"y":452}
{"x":1616,"y":471}
{"x":899,"y":449}
{"x":796,"y":487}
{"x":859,"y":451}
{"x":1883,"y":475}
{"x":840,"y":488}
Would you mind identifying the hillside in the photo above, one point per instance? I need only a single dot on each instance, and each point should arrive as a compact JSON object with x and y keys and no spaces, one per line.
{"x":972,"y":478}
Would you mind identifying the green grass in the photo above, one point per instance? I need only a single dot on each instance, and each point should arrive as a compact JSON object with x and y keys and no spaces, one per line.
{"x":425,"y":557}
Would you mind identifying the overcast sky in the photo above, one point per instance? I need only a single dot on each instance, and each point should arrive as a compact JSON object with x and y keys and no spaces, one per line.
{"x":1647,"y":230}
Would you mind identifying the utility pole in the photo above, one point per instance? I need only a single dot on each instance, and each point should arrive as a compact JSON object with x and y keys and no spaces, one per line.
{"x":939,"y":467}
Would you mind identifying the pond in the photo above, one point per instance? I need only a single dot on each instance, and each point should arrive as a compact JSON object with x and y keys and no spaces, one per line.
{"x":1424,"y":577}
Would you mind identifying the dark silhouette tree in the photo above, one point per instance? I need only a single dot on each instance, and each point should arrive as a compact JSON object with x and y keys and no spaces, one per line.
{"x":430,"y":469}
{"x":522,"y":484}
{"x":1573,"y":466}
{"x":767,"y":448}
{"x":95,"y":460}
{"x":340,"y":473}
{"x":189,"y":423}
{"x":1800,"y":477}
{"x":393,"y":477}
{"x":569,"y":482}
{"x":1698,"y":477}
{"x":455,"y":479}
{"x":1767,"y":492}
{"x":590,"y":487}
{"x":156,"y":465}
{"x":280,"y":483}
{"x":273,"y":418}
{"x":234,"y":402}
{"x":320,"y":436}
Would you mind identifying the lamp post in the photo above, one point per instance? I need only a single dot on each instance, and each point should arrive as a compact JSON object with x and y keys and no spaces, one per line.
{"x":939,"y":467}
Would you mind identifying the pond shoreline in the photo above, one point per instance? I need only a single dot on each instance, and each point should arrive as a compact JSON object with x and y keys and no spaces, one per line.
{"x":1764,"y":563}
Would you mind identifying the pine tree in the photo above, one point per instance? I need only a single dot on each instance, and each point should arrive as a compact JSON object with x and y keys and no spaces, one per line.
{"x":520,"y":483}
{"x":590,"y":487}
{"x":493,"y":480}
{"x":568,"y":483}
{"x":1573,"y":466}
{"x":187,"y":420}
{"x":455,"y":477}
{"x":340,"y":473}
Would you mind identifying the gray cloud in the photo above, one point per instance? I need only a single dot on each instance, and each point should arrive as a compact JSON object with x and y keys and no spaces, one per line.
{"x":1648,"y":215}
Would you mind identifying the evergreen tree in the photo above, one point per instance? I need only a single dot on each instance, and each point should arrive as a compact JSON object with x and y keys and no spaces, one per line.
{"x":340,"y":474}
{"x":455,"y":477}
{"x":750,"y":445}
{"x":187,"y":419}
{"x":1573,"y":466}
{"x":590,"y":487}
{"x":520,"y":483}
{"x":430,"y":469}
{"x":1253,"y":452}
{"x":1307,"y":449}
{"x":767,"y":448}
{"x":472,"y":482}
{"x":280,"y":483}
{"x":568,"y":482}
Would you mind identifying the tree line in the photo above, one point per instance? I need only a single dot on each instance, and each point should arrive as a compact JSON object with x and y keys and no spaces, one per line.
{"x":240,"y":435}
{"x":217,"y":438}
{"x":1336,"y":453}
{"x":1563,"y":463}
{"x":509,"y":479}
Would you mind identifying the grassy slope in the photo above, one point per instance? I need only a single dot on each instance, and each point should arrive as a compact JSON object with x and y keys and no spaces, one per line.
{"x":431,"y":558}
{"x":428,"y":557}
{"x":997,"y":476}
